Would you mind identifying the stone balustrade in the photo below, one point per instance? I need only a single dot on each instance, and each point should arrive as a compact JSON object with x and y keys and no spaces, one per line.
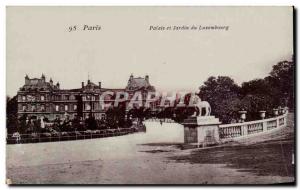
{"x":239,"y":130}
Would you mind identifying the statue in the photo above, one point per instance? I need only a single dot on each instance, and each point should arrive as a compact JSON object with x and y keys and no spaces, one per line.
{"x":206,"y":105}
{"x":199,"y":105}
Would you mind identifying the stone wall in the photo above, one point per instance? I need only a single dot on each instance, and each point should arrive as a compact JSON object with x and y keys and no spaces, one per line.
{"x":190,"y":134}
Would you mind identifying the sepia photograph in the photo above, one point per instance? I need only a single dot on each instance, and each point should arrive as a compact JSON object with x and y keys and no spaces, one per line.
{"x":150,"y":95}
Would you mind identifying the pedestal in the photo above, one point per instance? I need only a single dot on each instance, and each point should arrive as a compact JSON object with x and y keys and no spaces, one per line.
{"x":201,"y":130}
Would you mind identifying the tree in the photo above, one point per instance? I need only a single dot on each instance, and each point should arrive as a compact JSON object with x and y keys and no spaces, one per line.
{"x":227,"y":98}
{"x":90,"y":122}
{"x":258,"y":95}
{"x":256,"y":86}
{"x":282,"y":78}
{"x":12,"y":123}
{"x":115,"y":116}
{"x":223,"y":94}
{"x":254,"y":103}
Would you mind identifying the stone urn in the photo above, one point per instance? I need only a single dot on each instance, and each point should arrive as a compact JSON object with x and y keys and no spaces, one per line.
{"x":281,"y":110}
{"x":262,"y":114}
{"x":286,"y":109}
{"x":275,"y":111}
{"x":242,"y":115}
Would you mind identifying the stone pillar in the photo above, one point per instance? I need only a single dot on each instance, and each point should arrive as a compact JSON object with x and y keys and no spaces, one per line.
{"x":277,"y":123}
{"x":265,"y":126}
{"x":244,"y":129}
{"x":190,"y":134}
{"x":201,"y":130}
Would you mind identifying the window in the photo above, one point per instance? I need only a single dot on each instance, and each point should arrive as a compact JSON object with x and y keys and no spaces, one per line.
{"x":56,"y":108}
{"x":33,"y":108}
{"x":24,"y":108}
{"x":57,"y":97}
{"x":65,"y":97}
{"x":30,"y":98}
{"x":72,"y":97}
{"x":42,"y":108}
{"x":87,"y":107}
{"x":75,"y":107}
{"x":42,"y":98}
{"x":24,"y":98}
{"x":66,"y":107}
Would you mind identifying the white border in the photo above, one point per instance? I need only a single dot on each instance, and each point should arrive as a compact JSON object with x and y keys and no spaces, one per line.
{"x":4,"y":3}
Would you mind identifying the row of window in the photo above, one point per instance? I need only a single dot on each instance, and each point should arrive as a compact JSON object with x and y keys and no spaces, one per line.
{"x":64,"y":97}
{"x":42,"y":108}
{"x":33,"y":108}
{"x":96,"y":97}
{"x":65,"y":107}
{"x":42,"y":97}
{"x":59,"y":97}
{"x":33,"y":98}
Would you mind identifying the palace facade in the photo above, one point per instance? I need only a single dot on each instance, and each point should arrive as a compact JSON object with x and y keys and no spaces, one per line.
{"x":44,"y":99}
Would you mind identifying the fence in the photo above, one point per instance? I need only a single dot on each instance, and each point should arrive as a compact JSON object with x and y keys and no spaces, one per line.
{"x":66,"y":136}
{"x":229,"y":131}
{"x":164,"y":120}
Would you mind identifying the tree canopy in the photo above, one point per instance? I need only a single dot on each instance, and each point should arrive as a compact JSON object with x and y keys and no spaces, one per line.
{"x":227,"y":98}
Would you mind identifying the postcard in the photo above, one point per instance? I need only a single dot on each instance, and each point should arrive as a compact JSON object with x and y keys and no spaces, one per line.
{"x":150,"y":95}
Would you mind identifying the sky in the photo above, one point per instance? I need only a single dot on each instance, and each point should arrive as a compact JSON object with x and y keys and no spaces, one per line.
{"x":38,"y":41}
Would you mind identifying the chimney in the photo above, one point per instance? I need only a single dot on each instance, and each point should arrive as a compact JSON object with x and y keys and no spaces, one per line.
{"x":57,"y":84}
{"x":26,"y":79}
{"x":82,"y":84}
{"x":99,"y":84}
{"x":43,"y":77}
{"x":147,"y":78}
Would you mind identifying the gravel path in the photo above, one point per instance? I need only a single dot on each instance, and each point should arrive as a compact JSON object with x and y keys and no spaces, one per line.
{"x":154,"y":157}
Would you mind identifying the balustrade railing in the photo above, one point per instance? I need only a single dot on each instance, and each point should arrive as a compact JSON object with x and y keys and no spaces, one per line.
{"x":228,"y":131}
{"x":66,"y":136}
{"x":271,"y":124}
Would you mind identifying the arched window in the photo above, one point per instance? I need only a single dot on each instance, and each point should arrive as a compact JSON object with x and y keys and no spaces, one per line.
{"x":42,"y":107}
{"x":33,"y":107}
{"x":87,"y":107}
{"x":72,"y":97}
{"x":56,"y":107}
{"x":66,"y":107}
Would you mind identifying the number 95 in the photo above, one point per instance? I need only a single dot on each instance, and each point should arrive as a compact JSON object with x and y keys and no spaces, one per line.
{"x":72,"y":28}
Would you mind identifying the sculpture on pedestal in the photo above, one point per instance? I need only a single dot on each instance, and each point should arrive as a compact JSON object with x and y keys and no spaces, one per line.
{"x":199,"y":105}
{"x":201,"y":128}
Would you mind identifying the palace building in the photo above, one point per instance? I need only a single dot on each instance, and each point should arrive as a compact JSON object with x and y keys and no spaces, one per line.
{"x":40,"y":98}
